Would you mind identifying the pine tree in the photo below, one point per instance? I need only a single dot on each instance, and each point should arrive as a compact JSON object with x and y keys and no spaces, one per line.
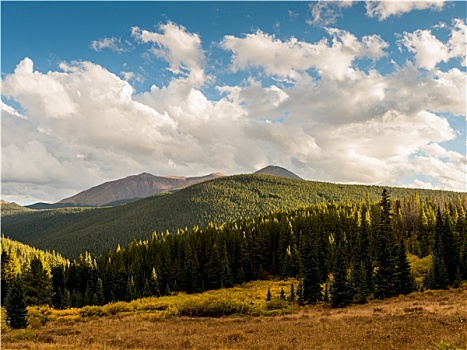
{"x":384,"y":278}
{"x":37,"y":284}
{"x":282,"y":295}
{"x":100,"y":300}
{"x":438,"y":275}
{"x":15,"y":305}
{"x":10,"y":267}
{"x":312,"y":291}
{"x":131,"y":293}
{"x":268,"y":295}
{"x":405,"y":282}
{"x":58,"y":286}
{"x":292,"y":294}
{"x":340,"y":289}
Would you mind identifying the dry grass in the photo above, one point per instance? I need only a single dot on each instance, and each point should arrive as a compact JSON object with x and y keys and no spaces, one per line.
{"x":418,"y":321}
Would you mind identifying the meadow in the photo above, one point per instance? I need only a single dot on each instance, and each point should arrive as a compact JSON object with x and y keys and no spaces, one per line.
{"x":242,"y":319}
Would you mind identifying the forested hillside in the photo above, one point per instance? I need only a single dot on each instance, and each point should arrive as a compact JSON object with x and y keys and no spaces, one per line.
{"x":340,"y":252}
{"x":222,"y":200}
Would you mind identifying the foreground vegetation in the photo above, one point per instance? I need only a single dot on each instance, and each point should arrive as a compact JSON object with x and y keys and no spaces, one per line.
{"x":341,"y":253}
{"x":421,"y":320}
{"x":223,"y":200}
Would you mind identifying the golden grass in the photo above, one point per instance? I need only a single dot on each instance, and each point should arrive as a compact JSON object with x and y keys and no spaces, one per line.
{"x":418,"y":321}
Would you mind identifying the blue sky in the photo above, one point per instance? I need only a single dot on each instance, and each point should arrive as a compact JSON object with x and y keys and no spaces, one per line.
{"x":351,"y":92}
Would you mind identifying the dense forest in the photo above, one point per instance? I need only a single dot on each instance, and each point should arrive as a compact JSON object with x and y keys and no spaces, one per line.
{"x":346,"y":252}
{"x":223,"y":200}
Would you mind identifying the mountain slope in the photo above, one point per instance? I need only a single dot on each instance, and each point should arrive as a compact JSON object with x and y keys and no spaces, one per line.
{"x":221,"y":200}
{"x":278,"y":171}
{"x":135,"y":186}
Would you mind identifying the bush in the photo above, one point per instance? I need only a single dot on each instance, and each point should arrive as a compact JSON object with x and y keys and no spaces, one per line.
{"x":276,"y":304}
{"x":446,"y":346}
{"x":92,"y":311}
{"x":212,"y":308}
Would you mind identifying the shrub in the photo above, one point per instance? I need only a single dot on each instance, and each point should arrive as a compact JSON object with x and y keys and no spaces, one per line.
{"x":212,"y":308}
{"x":276,"y":304}
{"x":446,"y":346}
{"x":92,"y":311}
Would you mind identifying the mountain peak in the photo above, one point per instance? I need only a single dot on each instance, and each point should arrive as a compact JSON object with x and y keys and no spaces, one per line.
{"x":278,"y":171}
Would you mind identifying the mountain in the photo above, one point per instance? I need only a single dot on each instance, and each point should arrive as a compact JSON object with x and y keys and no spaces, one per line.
{"x":11,"y":208}
{"x":278,"y":171}
{"x":224,"y":199}
{"x":130,"y":188}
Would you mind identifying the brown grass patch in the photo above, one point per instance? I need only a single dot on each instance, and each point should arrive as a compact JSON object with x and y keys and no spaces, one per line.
{"x":418,"y":321}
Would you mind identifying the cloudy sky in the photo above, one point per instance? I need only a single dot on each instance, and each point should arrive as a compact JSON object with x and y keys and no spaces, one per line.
{"x":349,"y":92}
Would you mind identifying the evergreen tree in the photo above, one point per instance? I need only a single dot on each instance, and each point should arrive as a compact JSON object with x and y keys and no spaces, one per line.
{"x":340,"y":289}
{"x":300,"y":298}
{"x":292,"y":294}
{"x":58,"y":286}
{"x":131,"y":293}
{"x":450,"y":250}
{"x":10,"y":267}
{"x":268,"y":295}
{"x":384,"y":278}
{"x":37,"y":284}
{"x":312,"y":291}
{"x":404,"y":280}
{"x":445,"y":267}
{"x":282,"y":295}
{"x":214,"y":269}
{"x":15,"y":305}
{"x":99,"y":300}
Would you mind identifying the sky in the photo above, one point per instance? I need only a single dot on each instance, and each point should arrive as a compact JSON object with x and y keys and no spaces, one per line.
{"x":346,"y":92}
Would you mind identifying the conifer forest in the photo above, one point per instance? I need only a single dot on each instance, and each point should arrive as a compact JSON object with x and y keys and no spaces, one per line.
{"x":342,"y":253}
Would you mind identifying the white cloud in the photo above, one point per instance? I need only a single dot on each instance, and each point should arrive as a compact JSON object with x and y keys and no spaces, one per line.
{"x":429,"y":50}
{"x":290,"y":58}
{"x":114,"y":44}
{"x":384,"y":9}
{"x":326,"y":13}
{"x":85,"y":125}
{"x":181,"y":49}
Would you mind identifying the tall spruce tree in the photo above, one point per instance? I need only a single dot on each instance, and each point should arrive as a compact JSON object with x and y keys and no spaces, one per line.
{"x":37,"y":284}
{"x":438,"y":276}
{"x":384,"y":278}
{"x":15,"y":305}
{"x":340,"y":289}
{"x":312,"y":291}
{"x":404,"y":280}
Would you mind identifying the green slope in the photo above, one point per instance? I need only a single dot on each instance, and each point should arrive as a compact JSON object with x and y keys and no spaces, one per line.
{"x":72,"y":231}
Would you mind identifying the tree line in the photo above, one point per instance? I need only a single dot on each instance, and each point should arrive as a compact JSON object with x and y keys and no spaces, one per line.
{"x":342,"y":252}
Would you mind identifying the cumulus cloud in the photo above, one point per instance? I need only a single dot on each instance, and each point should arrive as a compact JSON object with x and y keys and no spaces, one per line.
{"x":181,"y":49}
{"x":384,"y":9}
{"x":82,"y":124}
{"x":429,"y":50}
{"x":289,"y":58}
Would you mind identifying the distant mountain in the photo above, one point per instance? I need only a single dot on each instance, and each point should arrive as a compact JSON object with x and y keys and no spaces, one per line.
{"x":135,"y":187}
{"x":129,"y":189}
{"x":223,"y":200}
{"x":278,"y":171}
{"x":9,"y":208}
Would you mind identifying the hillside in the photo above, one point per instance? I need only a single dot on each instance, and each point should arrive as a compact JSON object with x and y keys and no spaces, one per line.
{"x":222,"y":200}
{"x":278,"y":171}
{"x":132,"y":188}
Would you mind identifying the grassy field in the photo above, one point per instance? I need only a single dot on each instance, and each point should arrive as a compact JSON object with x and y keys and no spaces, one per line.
{"x":418,"y":321}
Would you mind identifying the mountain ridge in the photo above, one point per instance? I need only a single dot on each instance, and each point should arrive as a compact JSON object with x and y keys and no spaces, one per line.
{"x":135,"y":187}
{"x":225,"y":199}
